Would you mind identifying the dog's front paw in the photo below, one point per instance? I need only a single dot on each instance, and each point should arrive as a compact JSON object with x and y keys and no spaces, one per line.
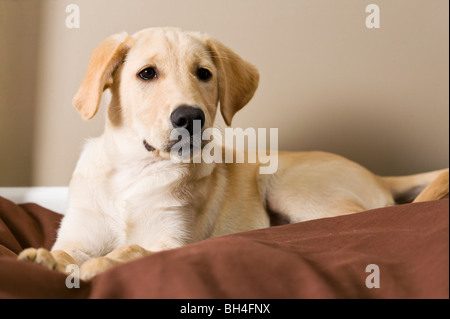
{"x":94,"y":266}
{"x":39,"y":256}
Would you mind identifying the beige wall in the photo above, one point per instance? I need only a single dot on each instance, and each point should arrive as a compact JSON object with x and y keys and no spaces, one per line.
{"x":19,"y":34}
{"x":377,"y":96}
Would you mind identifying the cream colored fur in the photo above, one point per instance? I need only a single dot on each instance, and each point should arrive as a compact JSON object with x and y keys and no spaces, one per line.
{"x":126,"y":202}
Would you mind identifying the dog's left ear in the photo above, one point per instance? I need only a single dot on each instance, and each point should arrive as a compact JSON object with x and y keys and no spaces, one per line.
{"x":238,"y":79}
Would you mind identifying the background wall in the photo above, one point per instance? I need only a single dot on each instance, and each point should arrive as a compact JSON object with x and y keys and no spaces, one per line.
{"x":377,"y":96}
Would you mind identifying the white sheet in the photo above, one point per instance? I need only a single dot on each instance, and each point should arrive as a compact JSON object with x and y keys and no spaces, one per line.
{"x":53,"y":198}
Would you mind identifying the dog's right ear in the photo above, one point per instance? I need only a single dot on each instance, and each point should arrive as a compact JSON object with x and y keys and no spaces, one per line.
{"x":104,"y":61}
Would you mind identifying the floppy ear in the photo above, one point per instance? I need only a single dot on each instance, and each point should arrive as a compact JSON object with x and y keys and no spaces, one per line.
{"x":238,"y":79}
{"x":104,"y":60}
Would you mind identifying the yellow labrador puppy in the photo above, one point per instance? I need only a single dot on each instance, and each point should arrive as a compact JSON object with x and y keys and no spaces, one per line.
{"x":128,"y":198}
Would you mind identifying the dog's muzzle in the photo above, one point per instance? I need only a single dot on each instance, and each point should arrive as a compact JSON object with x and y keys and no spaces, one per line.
{"x":185,"y":118}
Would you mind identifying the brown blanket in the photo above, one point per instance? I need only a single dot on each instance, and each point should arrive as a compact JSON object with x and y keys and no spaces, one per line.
{"x":324,"y":258}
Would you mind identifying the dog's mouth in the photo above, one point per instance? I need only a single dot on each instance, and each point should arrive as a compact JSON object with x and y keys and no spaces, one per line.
{"x":185,"y":139}
{"x":180,"y":148}
{"x":148,"y":147}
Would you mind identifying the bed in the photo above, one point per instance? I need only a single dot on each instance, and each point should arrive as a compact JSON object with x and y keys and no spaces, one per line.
{"x":393,"y":252}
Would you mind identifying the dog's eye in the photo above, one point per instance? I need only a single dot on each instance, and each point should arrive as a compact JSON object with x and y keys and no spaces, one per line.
{"x":204,"y":74}
{"x":148,"y":74}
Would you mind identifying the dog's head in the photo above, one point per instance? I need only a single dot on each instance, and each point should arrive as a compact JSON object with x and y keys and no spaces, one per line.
{"x":165,"y":78}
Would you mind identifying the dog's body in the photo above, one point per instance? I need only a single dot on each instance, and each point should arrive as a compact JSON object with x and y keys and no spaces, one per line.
{"x":127,"y":198}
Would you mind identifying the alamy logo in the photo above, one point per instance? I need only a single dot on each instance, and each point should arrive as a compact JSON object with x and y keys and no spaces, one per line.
{"x":373,"y":19}
{"x":73,"y":277}
{"x":373,"y":279}
{"x":208,"y":146}
{"x":73,"y":19}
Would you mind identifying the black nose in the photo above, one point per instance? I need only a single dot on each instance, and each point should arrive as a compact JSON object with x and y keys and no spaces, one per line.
{"x":184,"y":117}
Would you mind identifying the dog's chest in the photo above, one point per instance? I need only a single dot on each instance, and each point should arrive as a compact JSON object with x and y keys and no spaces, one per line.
{"x":146,"y":210}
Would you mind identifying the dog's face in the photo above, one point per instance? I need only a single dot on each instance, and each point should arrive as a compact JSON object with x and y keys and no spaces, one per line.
{"x":167,"y":81}
{"x":164,"y":79}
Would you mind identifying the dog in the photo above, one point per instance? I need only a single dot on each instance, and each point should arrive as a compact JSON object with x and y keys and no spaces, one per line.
{"x":128,"y":199}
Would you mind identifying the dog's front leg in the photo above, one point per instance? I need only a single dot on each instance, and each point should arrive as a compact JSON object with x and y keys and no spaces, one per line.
{"x":95,"y":266}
